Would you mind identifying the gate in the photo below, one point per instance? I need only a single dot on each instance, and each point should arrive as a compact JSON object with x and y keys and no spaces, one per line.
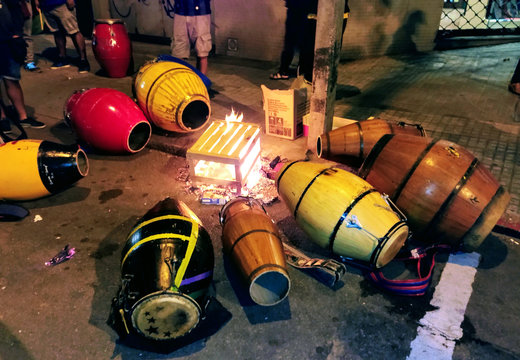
{"x":479,"y":17}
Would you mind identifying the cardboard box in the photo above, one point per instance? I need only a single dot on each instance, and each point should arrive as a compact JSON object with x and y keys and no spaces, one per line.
{"x":284,"y":111}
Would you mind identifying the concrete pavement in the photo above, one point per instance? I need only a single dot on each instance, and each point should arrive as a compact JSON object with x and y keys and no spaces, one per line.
{"x":61,"y":312}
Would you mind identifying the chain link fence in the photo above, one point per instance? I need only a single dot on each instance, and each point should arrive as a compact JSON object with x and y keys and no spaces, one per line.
{"x":479,"y":17}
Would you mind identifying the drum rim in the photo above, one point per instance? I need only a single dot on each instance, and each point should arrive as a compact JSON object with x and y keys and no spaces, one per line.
{"x":191,"y":301}
{"x":221,"y":215}
{"x":109,"y":21}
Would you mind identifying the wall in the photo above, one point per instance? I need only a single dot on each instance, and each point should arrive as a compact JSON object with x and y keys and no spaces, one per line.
{"x":254,"y":28}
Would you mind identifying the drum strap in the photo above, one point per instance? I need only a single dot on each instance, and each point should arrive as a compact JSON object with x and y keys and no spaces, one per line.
{"x":327,"y":271}
{"x":12,"y":212}
{"x":425,"y":262}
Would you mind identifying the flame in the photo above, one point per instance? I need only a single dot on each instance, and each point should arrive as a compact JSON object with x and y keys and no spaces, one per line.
{"x":215,"y":170}
{"x":234,"y":116}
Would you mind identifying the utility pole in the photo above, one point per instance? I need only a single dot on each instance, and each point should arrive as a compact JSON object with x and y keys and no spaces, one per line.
{"x":325,"y":74}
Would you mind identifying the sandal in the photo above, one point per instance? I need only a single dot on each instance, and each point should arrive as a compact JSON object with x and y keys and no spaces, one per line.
{"x":279,"y":76}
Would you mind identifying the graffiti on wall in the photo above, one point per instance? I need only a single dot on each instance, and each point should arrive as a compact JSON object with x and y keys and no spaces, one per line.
{"x":166,"y":4}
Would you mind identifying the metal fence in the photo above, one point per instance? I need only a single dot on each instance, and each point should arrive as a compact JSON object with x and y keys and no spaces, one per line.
{"x":479,"y":17}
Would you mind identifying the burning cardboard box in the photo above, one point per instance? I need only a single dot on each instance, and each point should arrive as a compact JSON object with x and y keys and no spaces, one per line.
{"x":226,"y":153}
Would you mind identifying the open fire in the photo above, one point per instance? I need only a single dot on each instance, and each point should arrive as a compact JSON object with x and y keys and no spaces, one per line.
{"x":227,"y":153}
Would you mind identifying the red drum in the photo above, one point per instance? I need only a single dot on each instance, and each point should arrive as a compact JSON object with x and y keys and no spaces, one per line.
{"x":108,"y":120}
{"x":112,"y":46}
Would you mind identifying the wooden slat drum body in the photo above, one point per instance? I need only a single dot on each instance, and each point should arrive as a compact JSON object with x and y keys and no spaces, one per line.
{"x":352,"y":143}
{"x":447,"y":195}
{"x":342,"y":212}
{"x":252,"y":240}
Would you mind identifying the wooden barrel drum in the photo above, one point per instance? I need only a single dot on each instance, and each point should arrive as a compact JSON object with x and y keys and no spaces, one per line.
{"x":446,"y":193}
{"x":252,"y":240}
{"x":352,"y":143}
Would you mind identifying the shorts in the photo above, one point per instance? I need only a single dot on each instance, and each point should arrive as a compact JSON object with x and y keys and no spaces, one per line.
{"x":62,"y":19}
{"x":9,"y":69}
{"x":191,"y":30}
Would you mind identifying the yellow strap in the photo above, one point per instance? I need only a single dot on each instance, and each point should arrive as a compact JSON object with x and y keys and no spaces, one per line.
{"x":315,"y":17}
{"x":151,"y":238}
{"x":192,"y":240}
{"x":159,"y":218}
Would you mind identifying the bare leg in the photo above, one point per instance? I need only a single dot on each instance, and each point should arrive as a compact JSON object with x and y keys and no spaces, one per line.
{"x":61,"y":42}
{"x":79,"y":44}
{"x":202,"y":64}
{"x":15,"y":94}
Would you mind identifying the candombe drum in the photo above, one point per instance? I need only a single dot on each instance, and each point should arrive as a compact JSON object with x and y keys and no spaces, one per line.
{"x":108,"y":120}
{"x":172,"y":96}
{"x":112,"y":47}
{"x":352,"y":143}
{"x":166,"y":270}
{"x":31,"y":169}
{"x":342,"y":212}
{"x":446,"y":193}
{"x":252,"y":240}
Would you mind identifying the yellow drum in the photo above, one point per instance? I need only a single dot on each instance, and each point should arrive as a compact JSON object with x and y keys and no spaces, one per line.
{"x":30,"y":169}
{"x":172,"y":96}
{"x":342,"y":212}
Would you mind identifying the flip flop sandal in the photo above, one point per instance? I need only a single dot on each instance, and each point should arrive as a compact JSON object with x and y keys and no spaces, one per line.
{"x":279,"y":76}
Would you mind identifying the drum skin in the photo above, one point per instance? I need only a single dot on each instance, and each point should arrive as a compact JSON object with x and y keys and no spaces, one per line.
{"x":108,"y":120}
{"x":342,"y":212}
{"x":350,"y":144}
{"x":172,"y":96}
{"x":33,"y":168}
{"x":253,"y":241}
{"x":446,"y":193}
{"x":166,"y":270}
{"x":112,"y":47}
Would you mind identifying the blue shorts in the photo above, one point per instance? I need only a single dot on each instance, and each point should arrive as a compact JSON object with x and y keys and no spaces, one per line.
{"x":9,"y":69}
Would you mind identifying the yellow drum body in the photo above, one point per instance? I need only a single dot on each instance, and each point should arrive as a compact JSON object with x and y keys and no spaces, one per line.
{"x":31,"y":169}
{"x":342,"y":212}
{"x":172,"y":96}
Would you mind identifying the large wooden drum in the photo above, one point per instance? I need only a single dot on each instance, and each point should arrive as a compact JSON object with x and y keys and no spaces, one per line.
{"x":252,"y":240}
{"x":172,"y":96}
{"x":112,"y":47}
{"x":446,"y":193}
{"x":350,"y":144}
{"x":342,"y":212}
{"x":166,"y":270}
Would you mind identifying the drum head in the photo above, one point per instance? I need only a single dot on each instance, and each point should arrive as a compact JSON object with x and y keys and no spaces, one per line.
{"x":165,"y":315}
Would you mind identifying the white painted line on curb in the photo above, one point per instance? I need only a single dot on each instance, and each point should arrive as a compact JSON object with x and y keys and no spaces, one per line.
{"x":440,"y":328}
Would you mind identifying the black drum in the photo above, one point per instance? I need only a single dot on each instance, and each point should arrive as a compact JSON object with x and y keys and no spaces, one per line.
{"x":166,"y":270}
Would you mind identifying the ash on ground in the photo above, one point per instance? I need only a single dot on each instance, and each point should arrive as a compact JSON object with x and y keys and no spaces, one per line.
{"x":264,"y":189}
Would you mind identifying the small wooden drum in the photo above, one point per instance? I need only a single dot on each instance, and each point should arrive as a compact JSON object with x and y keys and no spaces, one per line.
{"x":342,"y":212}
{"x":252,"y":240}
{"x":351,"y":144}
{"x":167,"y":268}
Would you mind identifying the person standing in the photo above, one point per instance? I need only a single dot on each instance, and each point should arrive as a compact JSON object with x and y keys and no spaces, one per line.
{"x":30,"y":64}
{"x":306,"y":63}
{"x":13,"y":50}
{"x":514,"y":84}
{"x":293,"y":39}
{"x":192,"y":27}
{"x":60,"y":18}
